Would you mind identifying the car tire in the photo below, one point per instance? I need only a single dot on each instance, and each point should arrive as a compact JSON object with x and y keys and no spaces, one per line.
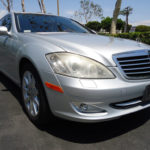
{"x":34,"y":97}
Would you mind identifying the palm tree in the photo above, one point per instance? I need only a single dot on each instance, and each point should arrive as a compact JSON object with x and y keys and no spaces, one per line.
{"x":22,"y":4}
{"x":115,"y":16}
{"x":126,"y":12}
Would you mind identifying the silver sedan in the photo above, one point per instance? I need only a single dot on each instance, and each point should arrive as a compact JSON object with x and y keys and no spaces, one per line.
{"x":65,"y":70}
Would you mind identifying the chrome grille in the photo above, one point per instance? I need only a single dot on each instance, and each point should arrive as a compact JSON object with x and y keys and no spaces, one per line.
{"x":134,"y":65}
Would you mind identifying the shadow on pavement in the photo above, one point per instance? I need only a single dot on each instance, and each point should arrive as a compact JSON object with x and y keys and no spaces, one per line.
{"x":85,"y":133}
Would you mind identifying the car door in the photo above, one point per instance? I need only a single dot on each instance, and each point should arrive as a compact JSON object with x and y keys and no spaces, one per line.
{"x":2,"y":51}
{"x":7,"y":50}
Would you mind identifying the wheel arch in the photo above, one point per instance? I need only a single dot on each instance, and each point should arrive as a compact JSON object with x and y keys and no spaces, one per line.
{"x":22,"y":63}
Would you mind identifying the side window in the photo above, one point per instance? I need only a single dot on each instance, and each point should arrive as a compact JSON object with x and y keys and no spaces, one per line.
{"x":1,"y":22}
{"x":6,"y":21}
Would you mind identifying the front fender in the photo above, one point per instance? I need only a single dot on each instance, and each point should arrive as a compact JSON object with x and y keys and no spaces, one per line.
{"x":35,"y":53}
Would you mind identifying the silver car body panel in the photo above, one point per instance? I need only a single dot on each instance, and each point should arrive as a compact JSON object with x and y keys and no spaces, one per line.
{"x":98,"y":93}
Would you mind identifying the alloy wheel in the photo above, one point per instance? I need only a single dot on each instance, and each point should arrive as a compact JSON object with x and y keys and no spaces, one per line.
{"x":30,"y":94}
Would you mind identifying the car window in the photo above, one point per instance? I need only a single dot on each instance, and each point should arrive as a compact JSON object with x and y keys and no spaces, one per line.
{"x":6,"y":21}
{"x":47,"y":23}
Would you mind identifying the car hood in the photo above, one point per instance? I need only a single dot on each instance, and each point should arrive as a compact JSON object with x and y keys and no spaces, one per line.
{"x":100,"y":48}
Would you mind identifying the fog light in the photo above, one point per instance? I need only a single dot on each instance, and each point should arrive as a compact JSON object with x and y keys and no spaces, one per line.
{"x":87,"y":108}
{"x":83,"y":107}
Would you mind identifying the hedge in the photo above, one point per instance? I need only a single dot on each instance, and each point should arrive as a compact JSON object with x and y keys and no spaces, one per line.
{"x":138,"y":36}
{"x":143,"y":37}
{"x":142,"y":28}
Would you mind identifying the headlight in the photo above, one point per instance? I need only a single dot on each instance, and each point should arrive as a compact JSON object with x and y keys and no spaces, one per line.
{"x":77,"y":66}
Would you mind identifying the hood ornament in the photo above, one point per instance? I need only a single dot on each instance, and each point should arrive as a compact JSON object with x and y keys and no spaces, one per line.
{"x":139,"y":41}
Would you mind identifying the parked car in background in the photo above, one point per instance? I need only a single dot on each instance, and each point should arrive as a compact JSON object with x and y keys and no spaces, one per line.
{"x":65,"y":70}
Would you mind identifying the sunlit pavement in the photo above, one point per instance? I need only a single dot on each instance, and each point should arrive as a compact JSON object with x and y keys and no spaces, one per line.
{"x":18,"y":133}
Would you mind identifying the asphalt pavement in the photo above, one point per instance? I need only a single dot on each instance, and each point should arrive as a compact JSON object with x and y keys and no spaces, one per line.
{"x":131,"y":132}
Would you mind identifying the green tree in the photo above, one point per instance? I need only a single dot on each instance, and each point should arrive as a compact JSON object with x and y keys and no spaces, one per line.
{"x":94,"y":25}
{"x":106,"y":23}
{"x":120,"y":24}
{"x":126,"y":12}
{"x":115,"y":16}
{"x":88,"y":10}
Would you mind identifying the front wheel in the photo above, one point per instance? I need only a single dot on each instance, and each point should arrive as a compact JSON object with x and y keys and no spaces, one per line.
{"x":34,"y":99}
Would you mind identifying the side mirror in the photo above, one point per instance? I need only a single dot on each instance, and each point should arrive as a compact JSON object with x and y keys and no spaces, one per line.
{"x":3,"y":30}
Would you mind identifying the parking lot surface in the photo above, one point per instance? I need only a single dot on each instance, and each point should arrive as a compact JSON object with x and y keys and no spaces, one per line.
{"x":131,"y":132}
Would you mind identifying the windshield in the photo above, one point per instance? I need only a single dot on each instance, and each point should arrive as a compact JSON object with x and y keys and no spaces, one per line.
{"x":47,"y":23}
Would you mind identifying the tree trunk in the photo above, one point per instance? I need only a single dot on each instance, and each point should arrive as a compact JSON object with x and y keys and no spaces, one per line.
{"x":126,"y":25}
{"x":58,"y":7}
{"x":43,"y":6}
{"x":86,"y":20}
{"x":115,"y":16}
{"x":40,"y":5}
{"x":8,"y":5}
{"x":11,"y":4}
{"x":23,"y":7}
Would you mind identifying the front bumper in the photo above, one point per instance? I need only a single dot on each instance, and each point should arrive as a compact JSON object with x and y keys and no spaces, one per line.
{"x":100,"y":93}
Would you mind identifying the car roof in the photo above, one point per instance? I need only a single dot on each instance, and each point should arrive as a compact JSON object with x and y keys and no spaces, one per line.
{"x":36,"y":13}
{"x":4,"y":13}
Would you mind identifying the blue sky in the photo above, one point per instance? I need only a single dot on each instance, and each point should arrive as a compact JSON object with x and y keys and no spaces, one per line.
{"x":141,"y":12}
